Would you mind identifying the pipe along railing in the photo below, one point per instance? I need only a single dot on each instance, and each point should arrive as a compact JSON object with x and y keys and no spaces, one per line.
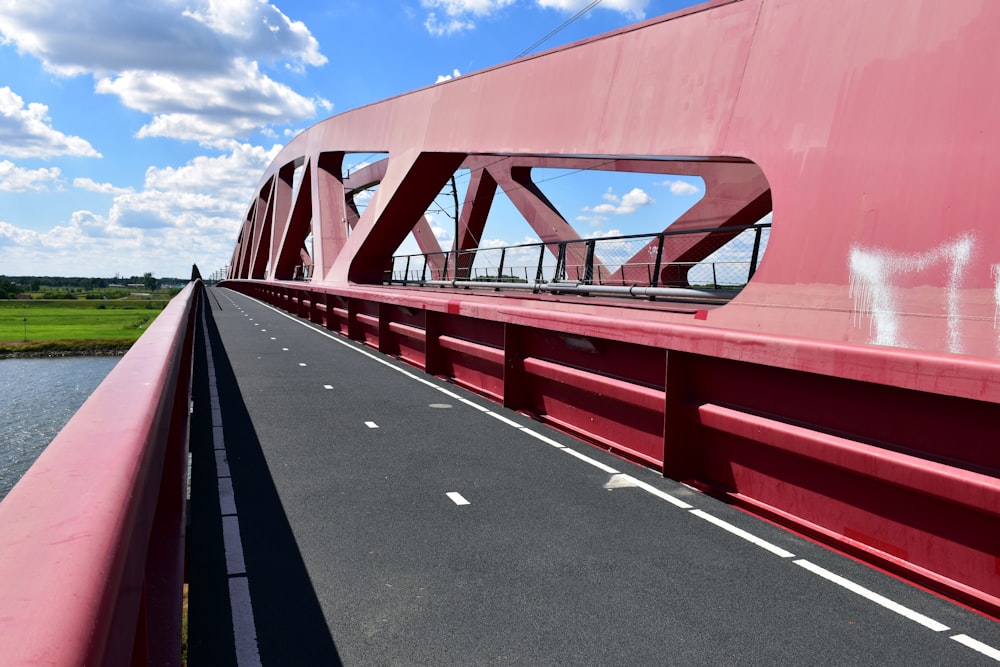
{"x":92,"y":537}
{"x":594,"y":266}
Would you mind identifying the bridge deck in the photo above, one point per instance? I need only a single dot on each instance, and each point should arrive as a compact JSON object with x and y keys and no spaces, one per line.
{"x":353,"y":552}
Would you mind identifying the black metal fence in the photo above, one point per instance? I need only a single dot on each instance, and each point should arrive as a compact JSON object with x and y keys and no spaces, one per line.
{"x":626,"y":261}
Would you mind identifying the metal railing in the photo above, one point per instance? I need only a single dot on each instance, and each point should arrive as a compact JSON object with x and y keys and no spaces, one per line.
{"x":630,"y":264}
{"x":92,"y":561}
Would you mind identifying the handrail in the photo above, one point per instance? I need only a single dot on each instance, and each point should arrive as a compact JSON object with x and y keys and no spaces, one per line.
{"x":649,"y":274}
{"x":81,"y":582}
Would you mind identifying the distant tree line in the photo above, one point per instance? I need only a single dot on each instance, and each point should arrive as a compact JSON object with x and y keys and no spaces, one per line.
{"x":11,"y":286}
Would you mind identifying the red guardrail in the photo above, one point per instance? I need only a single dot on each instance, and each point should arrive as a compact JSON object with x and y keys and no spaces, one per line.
{"x":92,"y":537}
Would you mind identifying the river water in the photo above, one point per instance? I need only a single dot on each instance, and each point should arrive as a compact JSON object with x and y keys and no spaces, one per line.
{"x":37,"y":398}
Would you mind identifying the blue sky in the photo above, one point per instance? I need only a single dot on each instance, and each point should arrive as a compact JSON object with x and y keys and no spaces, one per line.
{"x":132,"y":134}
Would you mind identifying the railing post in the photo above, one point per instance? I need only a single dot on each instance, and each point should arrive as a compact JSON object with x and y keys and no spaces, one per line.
{"x":755,"y":253}
{"x":560,"y":273}
{"x":406,"y":271}
{"x":541,"y":260}
{"x":503,"y":254}
{"x":444,"y":274}
{"x":659,"y":258}
{"x":588,"y":263}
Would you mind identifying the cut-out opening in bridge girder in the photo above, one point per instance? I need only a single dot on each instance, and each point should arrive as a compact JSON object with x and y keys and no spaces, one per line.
{"x":638,"y":226}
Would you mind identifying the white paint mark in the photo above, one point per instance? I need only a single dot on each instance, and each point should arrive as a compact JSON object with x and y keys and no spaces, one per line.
{"x":739,"y":532}
{"x":284,"y":349}
{"x":871,"y":287}
{"x":263,"y":330}
{"x":620,"y":481}
{"x":273,"y":338}
{"x":547,"y":440}
{"x":659,"y":493}
{"x":440,"y":406}
{"x":227,"y":501}
{"x":509,"y":422}
{"x":457,"y":498}
{"x":233,"y":544}
{"x":474,"y":405}
{"x":244,"y":630}
{"x":221,"y":463}
{"x":328,"y":386}
{"x":871,"y":595}
{"x":447,"y":392}
{"x":586,"y":459}
{"x":218,"y":442}
{"x":977,"y":645}
{"x":302,"y":363}
{"x":371,"y":424}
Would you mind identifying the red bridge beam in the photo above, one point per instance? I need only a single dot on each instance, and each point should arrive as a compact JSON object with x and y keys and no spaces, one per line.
{"x":92,"y":537}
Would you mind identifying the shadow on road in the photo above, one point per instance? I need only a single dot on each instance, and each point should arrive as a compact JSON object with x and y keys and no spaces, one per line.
{"x":291,"y":628}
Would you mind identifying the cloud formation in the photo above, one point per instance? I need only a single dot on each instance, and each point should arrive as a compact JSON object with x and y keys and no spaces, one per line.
{"x":26,"y":131}
{"x":194,"y":66}
{"x":680,"y":188}
{"x":623,"y":205}
{"x":194,"y":210}
{"x":17,"y":179}
{"x":461,"y":15}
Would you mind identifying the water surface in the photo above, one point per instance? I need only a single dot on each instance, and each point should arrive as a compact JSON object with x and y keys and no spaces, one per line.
{"x":37,"y":398}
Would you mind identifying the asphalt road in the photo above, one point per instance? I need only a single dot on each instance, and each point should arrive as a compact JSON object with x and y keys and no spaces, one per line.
{"x":348,"y":509}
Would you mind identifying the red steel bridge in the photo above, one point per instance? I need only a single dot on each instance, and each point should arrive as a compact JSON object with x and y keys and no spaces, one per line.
{"x":848,"y":391}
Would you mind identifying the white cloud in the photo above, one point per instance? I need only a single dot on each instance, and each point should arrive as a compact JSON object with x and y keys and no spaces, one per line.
{"x":26,"y":131}
{"x":183,"y":215}
{"x":634,"y":9}
{"x":448,"y":77}
{"x":458,"y":14}
{"x":17,"y":179}
{"x":211,"y":107}
{"x":91,"y":185}
{"x":616,"y":205}
{"x":450,"y":26}
{"x":680,"y":188}
{"x":194,"y":66}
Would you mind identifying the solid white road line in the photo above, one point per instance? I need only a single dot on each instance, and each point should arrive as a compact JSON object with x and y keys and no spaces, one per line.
{"x":739,"y":532}
{"x":233,"y":543}
{"x":977,"y":645}
{"x":659,"y":493}
{"x":244,"y":629}
{"x":371,"y":424}
{"x":871,"y":595}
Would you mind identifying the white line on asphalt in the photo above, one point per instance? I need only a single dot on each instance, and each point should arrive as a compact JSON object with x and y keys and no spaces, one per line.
{"x":371,"y":424}
{"x":284,"y":349}
{"x":233,"y":544}
{"x":457,"y":498}
{"x":871,"y":595}
{"x":659,"y":493}
{"x":221,"y":464}
{"x":328,"y":386}
{"x":244,"y":629}
{"x":739,"y":532}
{"x":227,"y":501}
{"x":474,"y":405}
{"x":302,"y":363}
{"x":977,"y":645}
{"x":538,"y":436}
{"x":509,"y":422}
{"x":586,"y":459}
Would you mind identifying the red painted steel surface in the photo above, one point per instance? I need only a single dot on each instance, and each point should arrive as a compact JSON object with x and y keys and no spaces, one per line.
{"x":92,"y":537}
{"x":850,"y":390}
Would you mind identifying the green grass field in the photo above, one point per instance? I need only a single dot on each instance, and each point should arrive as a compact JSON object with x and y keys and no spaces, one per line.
{"x":73,"y":325}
